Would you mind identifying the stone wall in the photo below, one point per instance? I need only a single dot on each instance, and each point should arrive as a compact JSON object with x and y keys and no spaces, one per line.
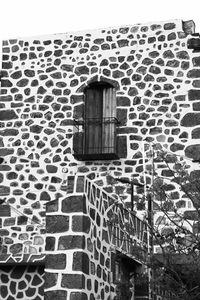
{"x":84,"y":230}
{"x":156,"y":76}
{"x":157,"y":81}
{"x":21,"y":282}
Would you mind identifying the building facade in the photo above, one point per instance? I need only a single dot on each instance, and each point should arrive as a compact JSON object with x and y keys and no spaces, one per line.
{"x":78,"y":114}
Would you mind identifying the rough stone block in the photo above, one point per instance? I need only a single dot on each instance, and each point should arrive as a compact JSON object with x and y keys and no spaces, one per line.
{"x":57,"y":223}
{"x":80,"y":184}
{"x":51,"y":169}
{"x":55,"y":295}
{"x":78,"y":111}
{"x":50,"y":279}
{"x":105,"y":236}
{"x":7,"y":65}
{"x":71,"y":242}
{"x":190,"y":120}
{"x":83,"y":169}
{"x":81,"y":224}
{"x":176,"y":147}
{"x":55,"y":261}
{"x":122,"y":146}
{"x":196,"y":83}
{"x":16,"y":249}
{"x":38,"y":240}
{"x":22,"y":220}
{"x":194,"y":95}
{"x":5,"y":211}
{"x":81,"y":262}
{"x":122,"y":116}
{"x":70,"y":184}
{"x":82,"y":70}
{"x":4,"y":190}
{"x":73,"y":281}
{"x":8,"y":114}
{"x":52,"y":206}
{"x":194,"y":73}
{"x":196,"y":106}
{"x":4,"y":232}
{"x":193,"y":151}
{"x":196,"y":61}
{"x":99,"y":271}
{"x":78,"y":296}
{"x":8,"y":221}
{"x":196,"y":133}
{"x":73,"y":204}
{"x":50,"y":243}
{"x":189,"y":27}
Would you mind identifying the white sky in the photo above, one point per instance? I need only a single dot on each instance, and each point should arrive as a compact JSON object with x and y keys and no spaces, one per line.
{"x":21,"y":18}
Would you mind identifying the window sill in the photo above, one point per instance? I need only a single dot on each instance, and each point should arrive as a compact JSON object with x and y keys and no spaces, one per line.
{"x":96,"y":156}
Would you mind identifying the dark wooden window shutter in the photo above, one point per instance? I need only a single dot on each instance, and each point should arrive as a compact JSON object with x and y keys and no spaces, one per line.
{"x":98,"y":136}
{"x":93,"y":118}
{"x":109,"y":116}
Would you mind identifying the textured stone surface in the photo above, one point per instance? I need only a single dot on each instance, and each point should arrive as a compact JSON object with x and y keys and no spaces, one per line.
{"x":57,"y":223}
{"x":74,"y":204}
{"x":22,"y":282}
{"x":56,"y":261}
{"x":56,"y":295}
{"x":71,"y":242}
{"x":191,"y":119}
{"x":194,"y":94}
{"x":73,"y":281}
{"x":8,"y":114}
{"x":81,"y":224}
{"x":193,"y":151}
{"x":156,"y":79}
{"x":81,"y":262}
{"x":50,"y":279}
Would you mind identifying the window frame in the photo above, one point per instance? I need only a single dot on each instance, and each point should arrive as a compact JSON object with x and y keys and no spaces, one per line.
{"x":97,"y":130}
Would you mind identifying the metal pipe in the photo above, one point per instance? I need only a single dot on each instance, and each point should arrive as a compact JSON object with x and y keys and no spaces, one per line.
{"x":132,"y":196}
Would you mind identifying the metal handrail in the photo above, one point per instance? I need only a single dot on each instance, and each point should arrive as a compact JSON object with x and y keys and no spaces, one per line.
{"x":100,"y":149}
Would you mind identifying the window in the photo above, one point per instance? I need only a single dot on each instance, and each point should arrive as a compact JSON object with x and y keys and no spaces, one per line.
{"x":96,"y":133}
